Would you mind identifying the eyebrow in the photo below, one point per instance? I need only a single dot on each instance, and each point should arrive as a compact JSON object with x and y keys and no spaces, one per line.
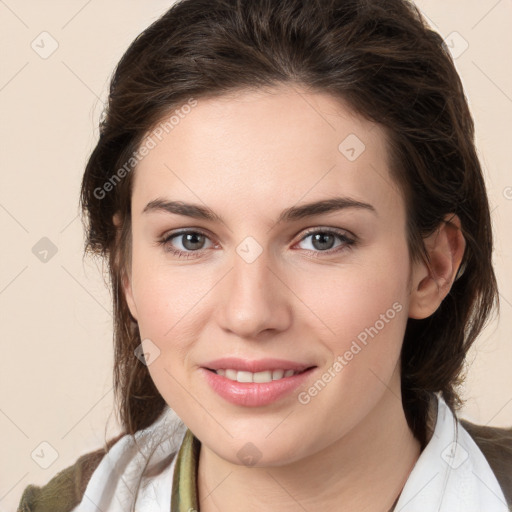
{"x":288,"y":215}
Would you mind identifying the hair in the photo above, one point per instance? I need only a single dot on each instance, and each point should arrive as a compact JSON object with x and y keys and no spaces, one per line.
{"x":379,"y":57}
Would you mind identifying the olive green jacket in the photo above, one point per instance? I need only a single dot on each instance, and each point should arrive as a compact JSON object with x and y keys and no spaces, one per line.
{"x":65,"y":490}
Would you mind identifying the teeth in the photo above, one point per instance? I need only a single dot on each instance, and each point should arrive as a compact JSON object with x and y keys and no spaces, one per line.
{"x":259,"y":377}
{"x":244,"y":377}
{"x":230,"y":374}
{"x":277,"y":374}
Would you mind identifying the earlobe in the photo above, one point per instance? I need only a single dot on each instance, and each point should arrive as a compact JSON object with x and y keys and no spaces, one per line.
{"x":431,"y":283}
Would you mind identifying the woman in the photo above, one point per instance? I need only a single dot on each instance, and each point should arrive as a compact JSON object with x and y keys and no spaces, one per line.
{"x":298,"y":235}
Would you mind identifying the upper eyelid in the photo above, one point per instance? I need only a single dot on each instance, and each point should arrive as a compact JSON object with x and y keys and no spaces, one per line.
{"x":338,"y":231}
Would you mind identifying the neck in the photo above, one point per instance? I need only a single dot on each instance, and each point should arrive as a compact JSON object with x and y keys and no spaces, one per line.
{"x":364,"y":471}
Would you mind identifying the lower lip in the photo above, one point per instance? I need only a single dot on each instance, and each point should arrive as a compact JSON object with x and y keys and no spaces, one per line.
{"x":251,"y":394}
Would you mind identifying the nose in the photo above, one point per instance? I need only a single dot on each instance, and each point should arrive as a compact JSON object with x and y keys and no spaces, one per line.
{"x":254,"y":299}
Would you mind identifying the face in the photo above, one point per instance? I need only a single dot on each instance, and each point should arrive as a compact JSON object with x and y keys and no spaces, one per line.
{"x":328,"y":289}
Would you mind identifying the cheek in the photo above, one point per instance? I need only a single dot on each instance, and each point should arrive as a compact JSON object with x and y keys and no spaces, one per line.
{"x":354,"y":297}
{"x":172,"y":307}
{"x":167,"y":304}
{"x":165,"y":295}
{"x":156,"y":315}
{"x":366,"y":327}
{"x":365,"y":309}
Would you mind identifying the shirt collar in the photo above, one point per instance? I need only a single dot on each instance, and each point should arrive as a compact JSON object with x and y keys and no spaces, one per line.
{"x":451,"y":474}
{"x":184,"y":487}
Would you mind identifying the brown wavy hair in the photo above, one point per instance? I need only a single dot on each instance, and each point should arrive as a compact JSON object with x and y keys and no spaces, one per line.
{"x":380,"y":57}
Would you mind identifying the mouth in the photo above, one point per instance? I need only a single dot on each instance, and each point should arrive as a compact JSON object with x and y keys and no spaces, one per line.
{"x":256,"y":389}
{"x":257,"y":377}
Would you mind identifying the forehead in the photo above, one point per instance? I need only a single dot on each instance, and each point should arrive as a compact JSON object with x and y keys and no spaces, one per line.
{"x":265,"y":148}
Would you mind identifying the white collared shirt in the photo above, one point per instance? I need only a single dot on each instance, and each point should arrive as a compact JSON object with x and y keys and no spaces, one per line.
{"x":451,"y":474}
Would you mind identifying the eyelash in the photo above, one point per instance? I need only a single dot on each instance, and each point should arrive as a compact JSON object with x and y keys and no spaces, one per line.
{"x":347,"y":242}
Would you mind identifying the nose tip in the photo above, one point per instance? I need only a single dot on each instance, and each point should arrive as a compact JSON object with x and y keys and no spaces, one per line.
{"x":253,"y":299}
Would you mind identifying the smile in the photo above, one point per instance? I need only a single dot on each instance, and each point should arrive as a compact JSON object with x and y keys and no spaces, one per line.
{"x":258,"y":377}
{"x":247,"y":389}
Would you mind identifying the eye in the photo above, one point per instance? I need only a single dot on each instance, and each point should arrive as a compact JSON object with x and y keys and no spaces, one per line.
{"x":323,"y":239}
{"x":193,"y":242}
{"x":190,"y":241}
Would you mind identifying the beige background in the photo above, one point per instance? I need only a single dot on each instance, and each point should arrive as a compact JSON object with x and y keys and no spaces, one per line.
{"x":55,"y":369}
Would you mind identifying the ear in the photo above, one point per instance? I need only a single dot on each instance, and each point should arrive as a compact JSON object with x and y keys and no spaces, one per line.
{"x":126,"y":283}
{"x":431,"y":283}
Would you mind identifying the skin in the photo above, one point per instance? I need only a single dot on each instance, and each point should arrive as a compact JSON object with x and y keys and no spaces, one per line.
{"x":248,"y":156}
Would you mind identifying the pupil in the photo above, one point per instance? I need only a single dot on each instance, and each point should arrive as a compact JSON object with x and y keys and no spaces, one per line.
{"x":320,"y":237}
{"x":191,"y":239}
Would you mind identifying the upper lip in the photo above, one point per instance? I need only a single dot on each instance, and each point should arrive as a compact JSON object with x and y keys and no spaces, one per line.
{"x":257,"y":365}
